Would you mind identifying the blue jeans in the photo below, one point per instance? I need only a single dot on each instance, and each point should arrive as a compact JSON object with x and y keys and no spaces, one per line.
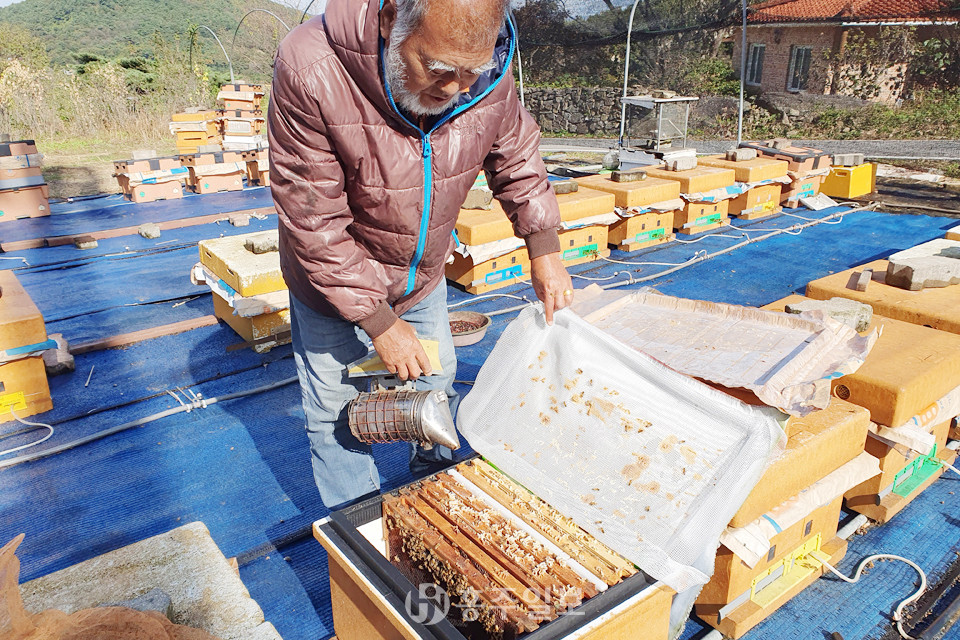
{"x":343,"y":467}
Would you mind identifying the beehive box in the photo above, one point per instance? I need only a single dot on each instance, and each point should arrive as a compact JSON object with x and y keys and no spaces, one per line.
{"x":758,"y":202}
{"x":241,"y":96}
{"x":31,"y":202}
{"x":909,"y":368}
{"x":799,"y":159}
{"x":850,"y":182}
{"x":819,"y":444}
{"x":215,"y":183}
{"x":152,"y":192}
{"x":754,"y":170}
{"x":903,"y":476}
{"x":696,"y":217}
{"x":938,"y":308}
{"x":641,"y":193}
{"x":737,"y":598}
{"x":147,"y":164}
{"x":496,"y":273}
{"x":697,"y":180}
{"x":263,"y":332}
{"x":643,"y":230}
{"x":247,"y":273}
{"x":583,"y":245}
{"x":801,"y":187}
{"x":478,"y":226}
{"x":368,"y":592}
{"x":23,"y":382}
{"x":241,"y":123}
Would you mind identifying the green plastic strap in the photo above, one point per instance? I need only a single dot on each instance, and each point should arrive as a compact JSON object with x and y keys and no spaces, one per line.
{"x":916,"y":473}
{"x":579,"y":252}
{"x":707,"y":219}
{"x":653,"y":234}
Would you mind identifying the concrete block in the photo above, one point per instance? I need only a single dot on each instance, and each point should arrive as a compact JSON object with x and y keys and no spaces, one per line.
{"x":848,"y":159}
{"x":564,"y":186}
{"x":59,"y":360}
{"x":682,"y":163}
{"x":263,"y":243}
{"x":240,"y":219}
{"x":850,"y":312}
{"x":144,"y":154}
{"x":209,"y":148}
{"x":478,"y":199}
{"x":153,"y":600}
{"x":863,"y":280}
{"x":630,"y":175}
{"x":779,"y":143}
{"x":85,"y":242}
{"x":4,"y":138}
{"x":150,"y":231}
{"x":184,"y":563}
{"x":928,"y":265}
{"x":741,"y":155}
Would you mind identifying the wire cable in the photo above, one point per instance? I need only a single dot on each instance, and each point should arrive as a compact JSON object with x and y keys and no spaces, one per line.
{"x":489,"y":295}
{"x":699,"y":255}
{"x":898,"y":612}
{"x":33,"y":426}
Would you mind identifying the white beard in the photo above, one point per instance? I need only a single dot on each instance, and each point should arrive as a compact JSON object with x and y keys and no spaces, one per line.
{"x":395,"y":70}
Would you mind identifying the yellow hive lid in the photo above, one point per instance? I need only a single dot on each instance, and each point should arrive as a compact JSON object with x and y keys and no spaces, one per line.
{"x":199,"y":116}
{"x":248,"y":273}
{"x":21,"y":323}
{"x":696,"y":180}
{"x":634,"y":194}
{"x":755,"y":170}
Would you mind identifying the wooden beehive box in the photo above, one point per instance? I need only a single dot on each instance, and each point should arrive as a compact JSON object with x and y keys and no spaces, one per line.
{"x":696,"y":217}
{"x":758,"y":202}
{"x":643,"y":230}
{"x":23,"y":382}
{"x":935,"y":307}
{"x":247,"y":273}
{"x":697,"y":180}
{"x":753,"y":170}
{"x":634,"y":194}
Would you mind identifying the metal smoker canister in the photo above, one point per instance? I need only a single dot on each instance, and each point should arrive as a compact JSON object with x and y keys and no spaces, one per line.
{"x":414,"y":416}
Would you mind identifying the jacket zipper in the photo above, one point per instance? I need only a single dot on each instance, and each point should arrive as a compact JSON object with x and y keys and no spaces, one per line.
{"x":424,"y":214}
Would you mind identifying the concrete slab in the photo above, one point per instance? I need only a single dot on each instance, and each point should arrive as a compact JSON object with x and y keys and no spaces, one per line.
{"x":185,"y":563}
{"x":931,"y":264}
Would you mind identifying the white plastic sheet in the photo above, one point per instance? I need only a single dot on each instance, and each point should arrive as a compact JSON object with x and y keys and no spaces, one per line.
{"x":650,"y":461}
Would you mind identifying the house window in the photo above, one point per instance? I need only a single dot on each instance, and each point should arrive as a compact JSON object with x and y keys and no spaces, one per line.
{"x":755,"y":63}
{"x":799,"y":71}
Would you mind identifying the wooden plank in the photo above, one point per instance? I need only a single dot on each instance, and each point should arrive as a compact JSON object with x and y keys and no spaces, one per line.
{"x":125,"y":339}
{"x":180,"y":223}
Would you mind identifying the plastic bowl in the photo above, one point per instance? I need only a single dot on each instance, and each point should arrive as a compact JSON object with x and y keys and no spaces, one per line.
{"x":468,"y":327}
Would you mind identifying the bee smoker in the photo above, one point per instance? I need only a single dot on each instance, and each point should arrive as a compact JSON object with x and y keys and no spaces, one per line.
{"x":394,"y":410}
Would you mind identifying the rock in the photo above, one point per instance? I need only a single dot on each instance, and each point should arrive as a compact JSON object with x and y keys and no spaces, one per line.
{"x":931,"y":264}
{"x":612,"y":160}
{"x":58,"y":360}
{"x":153,"y":600}
{"x":239,"y":219}
{"x":682,"y":163}
{"x":741,"y":155}
{"x":631,"y":175}
{"x":779,"y":143}
{"x":85,"y":242}
{"x":478,"y":199}
{"x":263,"y":243}
{"x":150,"y":231}
{"x":855,"y":315}
{"x":863,"y":280}
{"x":564,"y":186}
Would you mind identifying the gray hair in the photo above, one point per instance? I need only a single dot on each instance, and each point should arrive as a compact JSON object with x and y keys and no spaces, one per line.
{"x":410,"y":15}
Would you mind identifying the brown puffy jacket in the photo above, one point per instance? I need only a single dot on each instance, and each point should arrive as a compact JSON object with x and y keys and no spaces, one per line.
{"x":348,"y":172}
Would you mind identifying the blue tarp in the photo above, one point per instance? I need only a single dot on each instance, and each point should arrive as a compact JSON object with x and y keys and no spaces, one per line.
{"x":242,"y":467}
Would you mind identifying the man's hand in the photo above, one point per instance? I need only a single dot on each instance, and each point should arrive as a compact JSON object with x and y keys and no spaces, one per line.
{"x":401,"y":352}
{"x":552,"y":283}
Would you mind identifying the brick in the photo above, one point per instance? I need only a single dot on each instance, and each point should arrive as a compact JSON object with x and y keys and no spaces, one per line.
{"x":680,"y":164}
{"x":741,"y":155}
{"x":263,"y":243}
{"x":931,"y":264}
{"x":779,"y":143}
{"x":630,"y":175}
{"x":85,"y":242}
{"x":240,"y":220}
{"x":150,"y":231}
{"x":863,"y":280}
{"x":855,"y":315}
{"x":848,"y":159}
{"x":58,"y":360}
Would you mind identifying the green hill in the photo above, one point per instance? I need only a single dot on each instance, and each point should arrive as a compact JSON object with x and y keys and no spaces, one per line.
{"x":118,"y":28}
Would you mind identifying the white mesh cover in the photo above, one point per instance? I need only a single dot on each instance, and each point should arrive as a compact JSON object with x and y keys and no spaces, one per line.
{"x":650,"y":461}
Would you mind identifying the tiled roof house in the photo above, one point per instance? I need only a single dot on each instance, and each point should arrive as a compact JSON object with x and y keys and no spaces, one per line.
{"x":790,"y":42}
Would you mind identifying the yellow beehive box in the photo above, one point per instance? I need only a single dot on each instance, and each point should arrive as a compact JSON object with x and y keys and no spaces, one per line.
{"x":758,"y":202}
{"x":935,"y":307}
{"x":24,"y":388}
{"x":247,"y":273}
{"x":909,"y":368}
{"x":21,"y":322}
{"x":583,"y":244}
{"x":696,"y":217}
{"x":643,"y":230}
{"x":789,"y":567}
{"x":904,"y":475}
{"x":755,"y":170}
{"x":492,"y":274}
{"x":696,"y":180}
{"x":197,"y":116}
{"x":819,"y":444}
{"x":953,"y":233}
{"x":264,"y":332}
{"x":634,"y":194}
{"x":478,"y":226}
{"x":850,"y":182}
